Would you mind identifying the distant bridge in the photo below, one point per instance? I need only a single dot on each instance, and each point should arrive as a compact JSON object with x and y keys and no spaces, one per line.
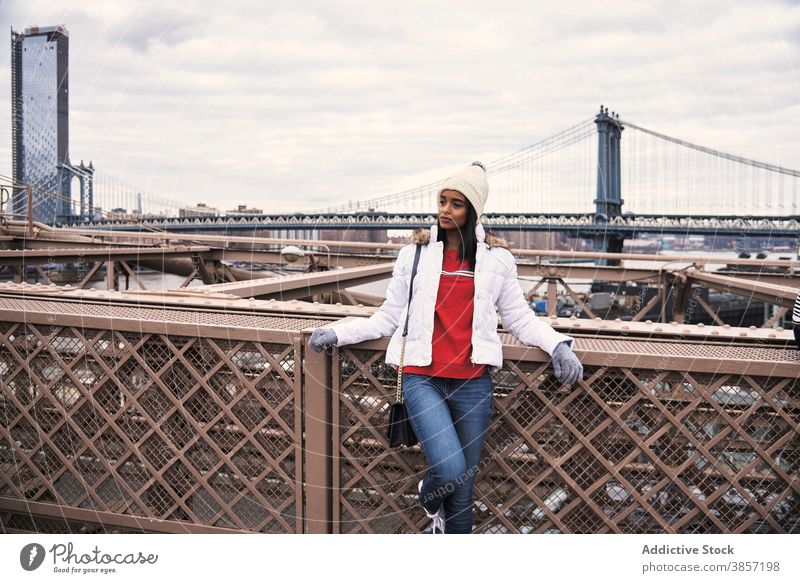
{"x":577,"y":224}
{"x":571,"y":182}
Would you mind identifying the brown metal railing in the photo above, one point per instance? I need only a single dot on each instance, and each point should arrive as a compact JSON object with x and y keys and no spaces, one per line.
{"x":129,"y":419}
{"x":159,"y":419}
{"x":661,"y":436}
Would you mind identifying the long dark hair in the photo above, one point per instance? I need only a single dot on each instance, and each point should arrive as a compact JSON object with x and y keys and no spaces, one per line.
{"x":469,"y":244}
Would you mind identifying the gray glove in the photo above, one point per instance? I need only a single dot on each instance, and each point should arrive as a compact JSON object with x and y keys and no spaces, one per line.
{"x":322,"y":338}
{"x":566,"y":365}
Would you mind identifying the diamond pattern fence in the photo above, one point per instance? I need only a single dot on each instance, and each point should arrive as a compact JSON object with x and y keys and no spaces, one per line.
{"x":128,"y":419}
{"x":658,"y":437}
{"x":196,"y":430}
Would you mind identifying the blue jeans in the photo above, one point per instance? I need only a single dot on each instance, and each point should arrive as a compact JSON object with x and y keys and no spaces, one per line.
{"x":450,"y":418}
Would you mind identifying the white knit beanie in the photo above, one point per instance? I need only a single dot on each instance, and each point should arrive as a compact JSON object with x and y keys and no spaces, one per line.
{"x":472,"y":183}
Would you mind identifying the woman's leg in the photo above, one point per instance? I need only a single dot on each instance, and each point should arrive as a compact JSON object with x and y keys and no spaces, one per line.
{"x":470,"y":403}
{"x":430,"y":417}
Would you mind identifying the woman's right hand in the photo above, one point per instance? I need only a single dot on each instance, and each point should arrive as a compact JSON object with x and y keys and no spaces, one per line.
{"x":322,"y":338}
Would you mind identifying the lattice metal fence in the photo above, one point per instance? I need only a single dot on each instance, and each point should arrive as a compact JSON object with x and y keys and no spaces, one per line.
{"x":128,"y":419}
{"x":197,"y":431}
{"x":644,"y":444}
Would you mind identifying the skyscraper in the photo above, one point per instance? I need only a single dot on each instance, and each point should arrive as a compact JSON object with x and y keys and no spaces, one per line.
{"x":40,"y":120}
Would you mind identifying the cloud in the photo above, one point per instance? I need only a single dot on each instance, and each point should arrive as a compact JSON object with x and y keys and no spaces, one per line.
{"x":295,"y":106}
{"x":168,"y":29}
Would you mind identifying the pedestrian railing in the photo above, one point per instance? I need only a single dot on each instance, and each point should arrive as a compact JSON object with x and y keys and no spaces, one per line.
{"x":127,"y":419}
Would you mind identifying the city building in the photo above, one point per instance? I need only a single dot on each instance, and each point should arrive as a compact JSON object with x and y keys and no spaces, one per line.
{"x":242,"y":211}
{"x":40,"y":126}
{"x":201,"y":209}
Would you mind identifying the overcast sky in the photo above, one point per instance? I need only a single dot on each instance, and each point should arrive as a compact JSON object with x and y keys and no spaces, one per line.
{"x":291,"y":105}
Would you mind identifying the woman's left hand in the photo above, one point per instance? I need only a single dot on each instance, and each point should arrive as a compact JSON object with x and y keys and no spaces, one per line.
{"x":566,"y":365}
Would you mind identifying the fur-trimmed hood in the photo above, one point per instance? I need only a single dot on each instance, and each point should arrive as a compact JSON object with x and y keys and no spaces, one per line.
{"x":422,"y":236}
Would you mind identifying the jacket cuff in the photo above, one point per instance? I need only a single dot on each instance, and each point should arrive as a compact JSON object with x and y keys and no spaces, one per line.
{"x":553,"y":339}
{"x":346,"y":331}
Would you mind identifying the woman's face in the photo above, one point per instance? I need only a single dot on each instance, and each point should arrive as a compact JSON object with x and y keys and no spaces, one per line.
{"x":453,"y":206}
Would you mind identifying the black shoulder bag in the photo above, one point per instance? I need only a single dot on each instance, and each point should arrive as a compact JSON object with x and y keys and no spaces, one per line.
{"x":401,"y":433}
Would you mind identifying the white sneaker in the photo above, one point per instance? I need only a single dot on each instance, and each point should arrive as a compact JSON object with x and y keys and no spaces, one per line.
{"x":438,"y":516}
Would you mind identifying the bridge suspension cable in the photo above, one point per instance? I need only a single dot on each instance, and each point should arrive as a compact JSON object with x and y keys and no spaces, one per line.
{"x":509,"y":163}
{"x":725,"y":155}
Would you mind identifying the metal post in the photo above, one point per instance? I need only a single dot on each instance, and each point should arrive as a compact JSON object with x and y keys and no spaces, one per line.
{"x":552,"y":297}
{"x":111,"y":276}
{"x":681,"y":291}
{"x":317,"y":420}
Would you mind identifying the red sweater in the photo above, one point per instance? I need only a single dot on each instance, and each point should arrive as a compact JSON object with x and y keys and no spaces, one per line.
{"x":452,"y":323}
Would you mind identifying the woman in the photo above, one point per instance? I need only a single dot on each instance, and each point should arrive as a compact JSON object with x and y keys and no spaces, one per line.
{"x":452,"y":345}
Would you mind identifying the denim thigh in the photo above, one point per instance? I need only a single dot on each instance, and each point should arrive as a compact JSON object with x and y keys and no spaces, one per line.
{"x":450,"y":418}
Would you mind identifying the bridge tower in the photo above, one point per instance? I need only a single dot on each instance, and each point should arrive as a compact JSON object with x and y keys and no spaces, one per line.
{"x":609,"y":190}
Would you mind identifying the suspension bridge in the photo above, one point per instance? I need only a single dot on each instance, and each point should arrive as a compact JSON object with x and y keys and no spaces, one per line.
{"x":202,"y":408}
{"x":587,"y":180}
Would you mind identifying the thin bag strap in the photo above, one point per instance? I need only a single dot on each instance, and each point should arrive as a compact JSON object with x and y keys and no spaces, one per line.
{"x":411,"y":286}
{"x":398,"y":397}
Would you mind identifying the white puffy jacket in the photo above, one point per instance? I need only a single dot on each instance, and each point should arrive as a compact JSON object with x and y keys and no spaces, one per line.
{"x":496,"y":286}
